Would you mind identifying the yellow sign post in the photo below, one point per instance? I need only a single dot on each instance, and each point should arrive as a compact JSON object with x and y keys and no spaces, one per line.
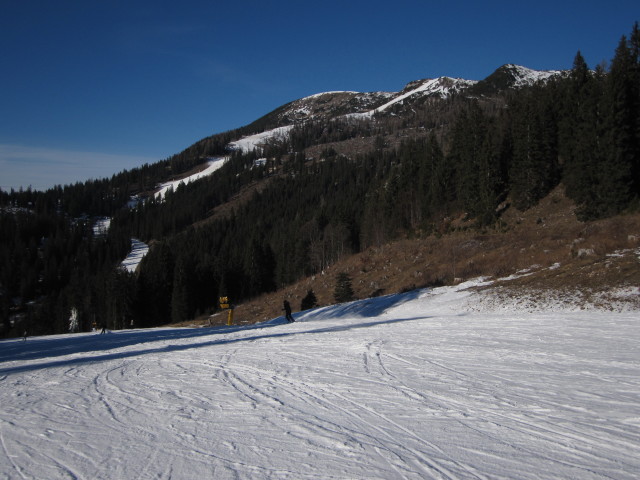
{"x":226,"y":305}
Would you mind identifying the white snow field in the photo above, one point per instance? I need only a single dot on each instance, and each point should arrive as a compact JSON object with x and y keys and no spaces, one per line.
{"x":420,"y":385}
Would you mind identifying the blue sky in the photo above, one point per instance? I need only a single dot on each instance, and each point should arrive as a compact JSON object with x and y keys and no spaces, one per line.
{"x":90,"y":87}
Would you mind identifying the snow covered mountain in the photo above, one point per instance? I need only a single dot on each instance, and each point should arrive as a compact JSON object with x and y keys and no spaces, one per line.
{"x":523,"y":76}
{"x":364,"y":105}
{"x":511,"y":76}
{"x":333,"y":104}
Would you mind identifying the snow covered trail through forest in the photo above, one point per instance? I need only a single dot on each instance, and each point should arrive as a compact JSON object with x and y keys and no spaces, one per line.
{"x":409,"y":386}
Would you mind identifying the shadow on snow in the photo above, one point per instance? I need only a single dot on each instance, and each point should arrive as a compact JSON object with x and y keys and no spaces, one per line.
{"x":47,"y":347}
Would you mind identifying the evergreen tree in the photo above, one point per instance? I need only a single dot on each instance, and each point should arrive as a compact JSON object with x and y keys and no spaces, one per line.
{"x":474,"y":154}
{"x":534,"y":169}
{"x":156,"y":286}
{"x":309,"y":301}
{"x":598,"y":136}
{"x":582,"y":129}
{"x":259,"y":267}
{"x":343,"y":291}
{"x":180,"y":299}
{"x":616,"y":169}
{"x":120,"y":298}
{"x":438,"y":174}
{"x":634,"y":43}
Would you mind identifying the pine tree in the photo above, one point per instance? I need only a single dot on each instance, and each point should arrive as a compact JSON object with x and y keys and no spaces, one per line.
{"x":616,"y":170}
{"x":259,"y":267}
{"x":309,"y":301}
{"x":120,"y":298}
{"x":634,"y":43}
{"x":343,"y":291}
{"x":156,"y":285}
{"x":598,"y":135}
{"x":534,"y":169}
{"x":581,"y":144}
{"x":438,"y":174}
{"x":180,"y":308}
{"x":474,"y":154}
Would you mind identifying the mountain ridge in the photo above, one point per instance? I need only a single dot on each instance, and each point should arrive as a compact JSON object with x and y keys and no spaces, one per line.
{"x":363,"y":105}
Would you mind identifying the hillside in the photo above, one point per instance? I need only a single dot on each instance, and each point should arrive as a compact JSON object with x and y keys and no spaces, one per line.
{"x":580,"y":264}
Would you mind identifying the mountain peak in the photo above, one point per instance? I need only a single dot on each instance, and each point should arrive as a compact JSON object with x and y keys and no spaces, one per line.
{"x":512,"y":76}
{"x":523,"y":76}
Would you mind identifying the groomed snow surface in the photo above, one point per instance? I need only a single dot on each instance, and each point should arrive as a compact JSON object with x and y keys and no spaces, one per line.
{"x":413,"y":386}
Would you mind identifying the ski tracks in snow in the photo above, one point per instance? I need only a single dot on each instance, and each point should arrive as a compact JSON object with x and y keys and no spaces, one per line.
{"x":335,"y":417}
{"x":441,"y":397}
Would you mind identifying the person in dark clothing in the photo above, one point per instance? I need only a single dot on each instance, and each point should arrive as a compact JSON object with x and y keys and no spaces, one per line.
{"x":287,"y":311}
{"x":104,"y":328}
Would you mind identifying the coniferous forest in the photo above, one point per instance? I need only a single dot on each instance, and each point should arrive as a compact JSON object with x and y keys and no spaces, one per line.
{"x":254,"y":227}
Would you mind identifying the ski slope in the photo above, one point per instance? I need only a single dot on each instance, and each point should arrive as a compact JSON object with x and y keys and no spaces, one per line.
{"x":214,"y":163}
{"x":138,"y":251}
{"x":423,"y":385}
{"x":258,"y":140}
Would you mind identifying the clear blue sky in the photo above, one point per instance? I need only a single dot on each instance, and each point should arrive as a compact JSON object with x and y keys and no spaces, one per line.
{"x":89,"y":87}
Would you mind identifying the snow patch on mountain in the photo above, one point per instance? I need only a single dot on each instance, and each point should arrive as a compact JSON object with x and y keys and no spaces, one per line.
{"x":101,"y":226}
{"x":257,"y":141}
{"x":524,"y":76}
{"x":214,"y":164}
{"x":442,"y":87}
{"x":138,"y":250}
{"x":321,"y":94}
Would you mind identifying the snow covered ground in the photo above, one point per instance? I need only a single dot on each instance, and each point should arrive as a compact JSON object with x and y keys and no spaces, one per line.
{"x":138,"y":250}
{"x":214,"y":164}
{"x":412,"y":386}
{"x":101,"y":226}
{"x":256,"y":141}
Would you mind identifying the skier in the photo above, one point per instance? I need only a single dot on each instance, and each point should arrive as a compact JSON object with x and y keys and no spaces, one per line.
{"x":287,"y":311}
{"x":104,"y":328}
